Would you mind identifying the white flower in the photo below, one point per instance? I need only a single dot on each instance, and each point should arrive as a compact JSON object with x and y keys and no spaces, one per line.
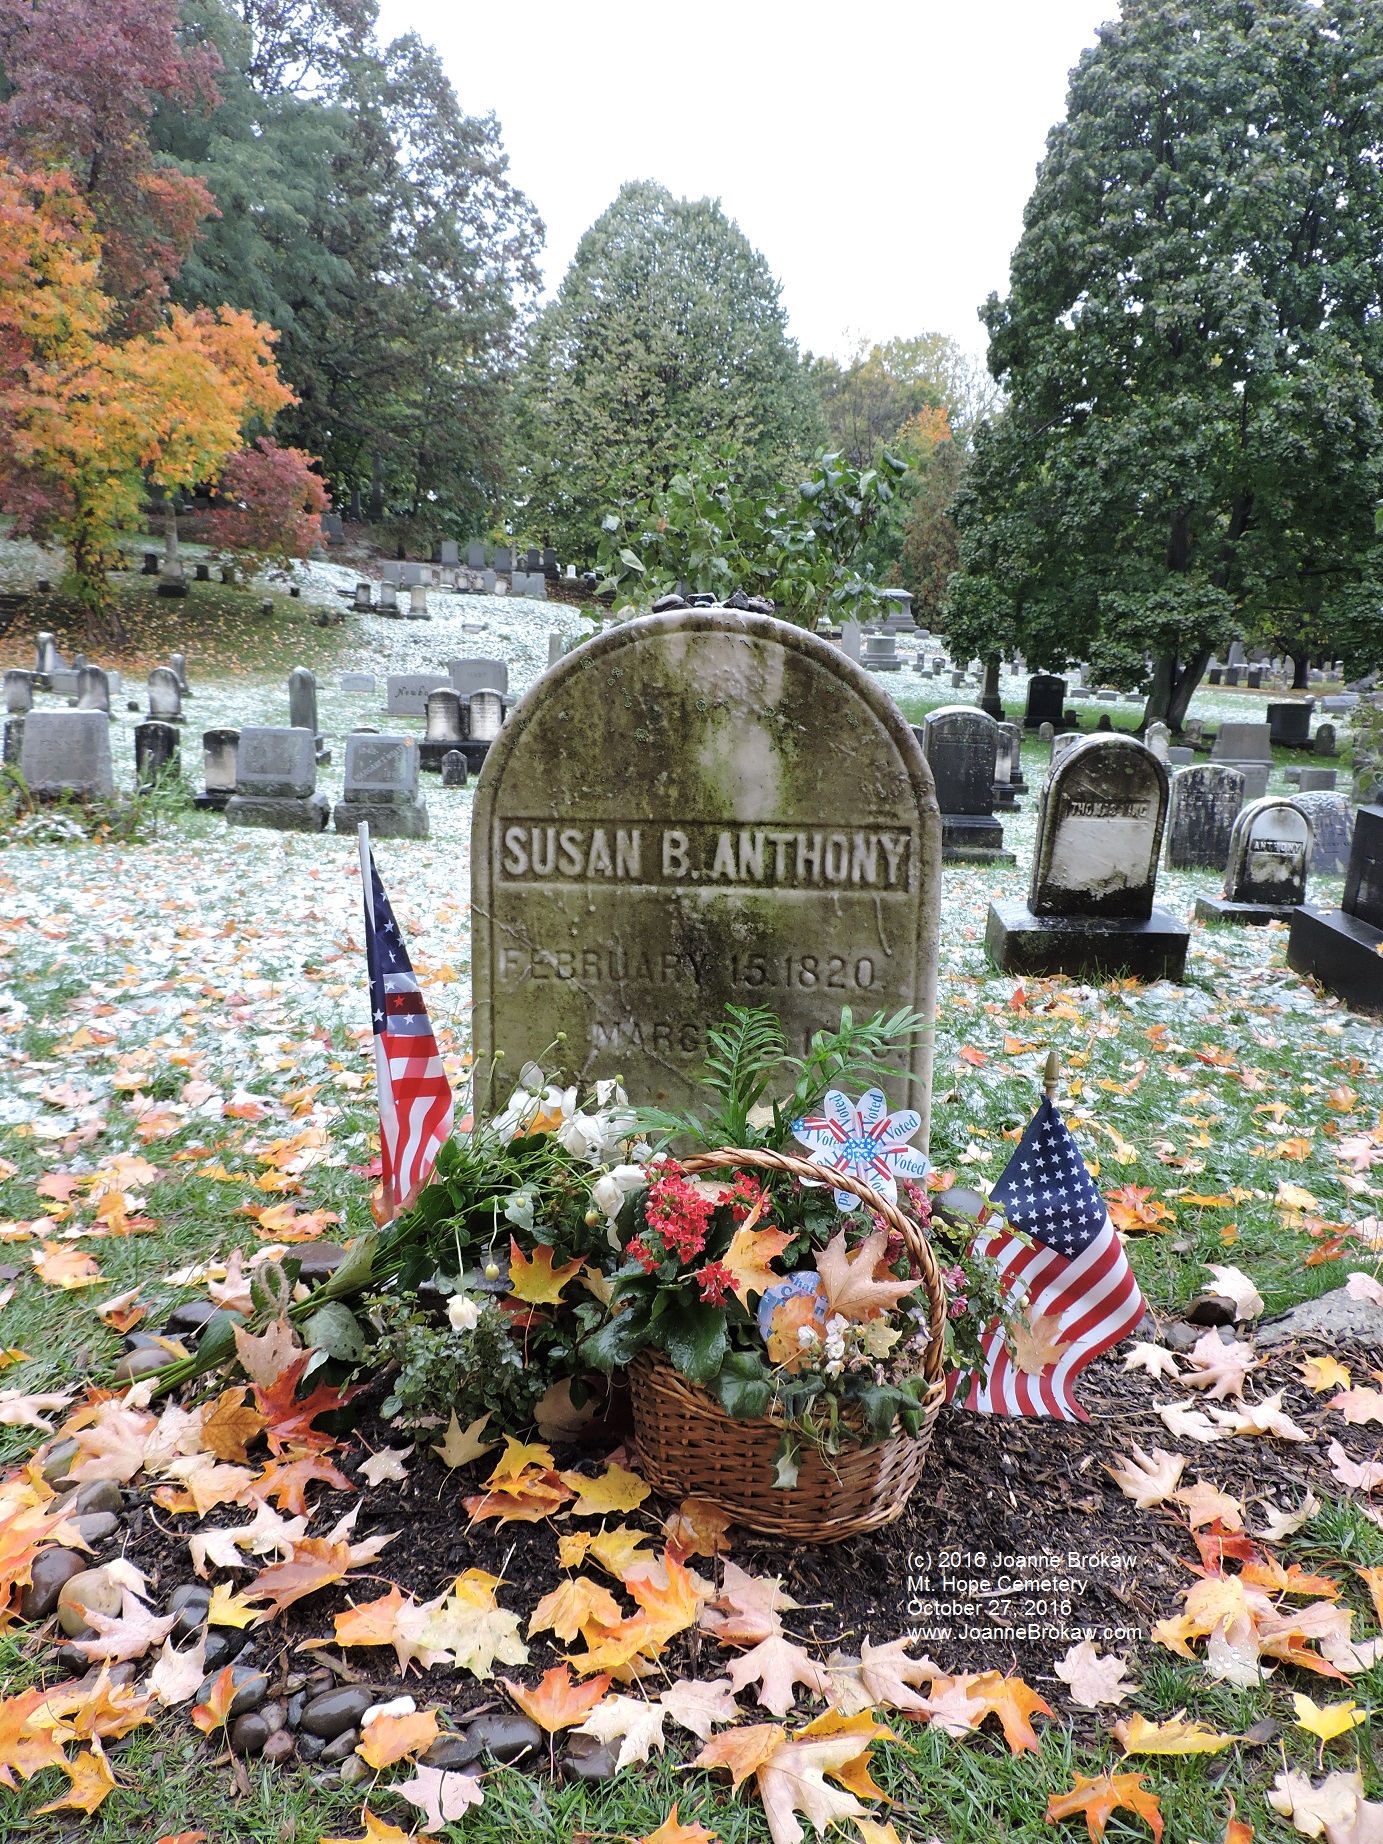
{"x":463,"y":1313}
{"x":806,"y":1336}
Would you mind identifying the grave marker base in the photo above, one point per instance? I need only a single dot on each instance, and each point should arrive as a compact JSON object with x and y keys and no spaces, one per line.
{"x":213,"y":801}
{"x":1017,"y":941}
{"x":1343,"y":953}
{"x":1245,"y":915}
{"x":279,"y":813}
{"x":973,"y":838}
{"x":385,"y":821}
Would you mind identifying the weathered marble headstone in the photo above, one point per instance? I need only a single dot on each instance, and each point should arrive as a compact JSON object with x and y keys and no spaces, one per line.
{"x":407,"y":692}
{"x":1332,"y":831}
{"x":850,"y":640}
{"x":1180,"y":755}
{"x":381,"y":787}
{"x":1004,"y":752}
{"x":446,"y":727}
{"x":417,"y":603}
{"x":728,"y":858}
{"x":961,"y":745}
{"x":19,"y":692}
{"x":1014,"y":733}
{"x":275,"y":782}
{"x":1343,"y":948}
{"x":67,"y":752}
{"x":504,"y":559}
{"x":1317,"y":780}
{"x":410,"y":575}
{"x":1269,"y":856}
{"x":13,"y":749}
{"x":155,"y":752}
{"x":165,"y":696}
{"x":388,"y":598}
{"x":1158,"y":738}
{"x":1046,"y":701}
{"x":1090,"y":905}
{"x":451,"y":553}
{"x":93,"y":690}
{"x":219,"y":749}
{"x":47,"y":659}
{"x":881,"y":654}
{"x":1205,"y":802}
{"x":454,"y":769}
{"x":1324,"y":743}
{"x":178,"y":662}
{"x":556,"y":646}
{"x":1241,"y":743}
{"x":468,"y":675}
{"x":1062,"y":745}
{"x":1289,"y":723}
{"x":364,"y":598}
{"x":302,"y":699}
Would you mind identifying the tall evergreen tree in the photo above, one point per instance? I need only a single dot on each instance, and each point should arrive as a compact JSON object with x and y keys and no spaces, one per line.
{"x":1193,"y":348}
{"x":667,"y":332}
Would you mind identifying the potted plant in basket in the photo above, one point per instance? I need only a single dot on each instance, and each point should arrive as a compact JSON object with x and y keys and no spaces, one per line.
{"x":781,"y":1297}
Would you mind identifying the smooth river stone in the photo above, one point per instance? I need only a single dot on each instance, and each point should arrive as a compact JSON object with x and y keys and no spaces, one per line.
{"x":696,"y":809}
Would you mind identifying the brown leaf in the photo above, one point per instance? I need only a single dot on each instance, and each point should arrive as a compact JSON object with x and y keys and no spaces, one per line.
{"x":847,"y":1277}
{"x":314,"y":1564}
{"x":229,"y":1423}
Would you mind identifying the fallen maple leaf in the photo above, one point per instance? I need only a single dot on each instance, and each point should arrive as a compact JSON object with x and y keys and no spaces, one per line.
{"x":697,"y":1705}
{"x":742,"y":1751}
{"x":697,"y":1528}
{"x":614,"y":1490}
{"x":558,"y":1703}
{"x":1336,"y":1807}
{"x":1136,"y":1735}
{"x":176,"y":1676}
{"x":572,"y":1606}
{"x":91,"y":1780}
{"x":636,"y":1725}
{"x":129,"y":1636}
{"x":440,"y":1796}
{"x":1097,"y":1799}
{"x":792,"y":1780}
{"x":1322,"y":1373}
{"x":229,"y":1423}
{"x":67,"y":1268}
{"x":121,"y":1312}
{"x":460,"y":1446}
{"x":1328,"y":1721}
{"x":377,"y":1830}
{"x":1148,"y":1479}
{"x":777,"y":1666}
{"x":847,"y":1277}
{"x":748,"y":1256}
{"x":1359,"y":1406}
{"x":388,"y":1463}
{"x":1137,"y":1207}
{"x":1156,"y":1360}
{"x":747,"y":1608}
{"x":537,"y":1282}
{"x":18,"y":1410}
{"x":386,"y":1739}
{"x":1093,"y":1680}
{"x":285,"y":1482}
{"x":264,"y":1359}
{"x":1187,"y":1422}
{"x":1365,"y":1476}
{"x":1278,"y":1524}
{"x":673,"y":1831}
{"x":314,"y":1564}
{"x":1205,"y":1503}
{"x":215,"y":1712}
{"x":1036,"y":1343}
{"x":1218,"y":1368}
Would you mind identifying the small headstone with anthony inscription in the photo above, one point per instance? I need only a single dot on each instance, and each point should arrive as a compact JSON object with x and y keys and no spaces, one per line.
{"x":1269,"y":856}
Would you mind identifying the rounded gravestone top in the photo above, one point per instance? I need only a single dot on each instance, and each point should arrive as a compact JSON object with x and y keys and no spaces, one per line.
{"x":1099,"y":830}
{"x":1269,"y":853}
{"x":693,"y":809}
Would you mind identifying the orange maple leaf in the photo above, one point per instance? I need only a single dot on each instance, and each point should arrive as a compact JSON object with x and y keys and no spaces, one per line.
{"x":1099,"y":1798}
{"x":1131,"y":1208}
{"x":558,"y":1703}
{"x":741,"y":1751}
{"x":288,"y":1422}
{"x":91,"y":1780}
{"x":537,"y":1282}
{"x":315,"y":1563}
{"x":23,"y":1750}
{"x":215,"y":1712}
{"x":1013,"y":1702}
{"x":673,"y":1831}
{"x":748,"y":1256}
{"x":285,"y":1482}
{"x":67,"y":1268}
{"x":229,"y":1423}
{"x":969,"y":1054}
{"x":389,"y":1738}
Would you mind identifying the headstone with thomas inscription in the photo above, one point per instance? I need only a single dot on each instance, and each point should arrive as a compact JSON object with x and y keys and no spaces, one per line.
{"x":658,"y":832}
{"x":1090,"y":907}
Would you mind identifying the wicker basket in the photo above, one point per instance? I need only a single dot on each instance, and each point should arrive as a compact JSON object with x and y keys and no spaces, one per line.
{"x":689,"y":1445}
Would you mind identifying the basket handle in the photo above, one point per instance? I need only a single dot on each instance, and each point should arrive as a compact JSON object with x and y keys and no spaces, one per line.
{"x":917,"y":1244}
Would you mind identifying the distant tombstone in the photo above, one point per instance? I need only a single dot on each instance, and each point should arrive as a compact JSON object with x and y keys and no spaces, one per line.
{"x":484,"y":720}
{"x":556,"y":646}
{"x":1216,"y":675}
{"x":1046,"y":701}
{"x":1205,"y":802}
{"x":1233,"y":674}
{"x":533,"y":562}
{"x":67,"y":752}
{"x":276,"y":780}
{"x":1237,"y":655}
{"x":93,"y":690}
{"x":1180,"y":755}
{"x":1269,"y":855}
{"x":881,"y":654}
{"x":1014,"y":733}
{"x":1324,"y":743}
{"x":1342,"y":948}
{"x":961,"y":747}
{"x":453,"y":769}
{"x":1239,"y":743}
{"x":332,"y":528}
{"x":1004,"y":752}
{"x":178,"y":663}
{"x":302,"y":700}
{"x":13,"y":750}
{"x":364,"y":598}
{"x":47,"y":659}
{"x":1254,"y":678}
{"x":388,"y":598}
{"x":850,"y":640}
{"x":407,"y":692}
{"x":1090,"y":908}
{"x":1063,"y":745}
{"x":417,"y":603}
{"x":201,"y":572}
{"x":1158,"y":738}
{"x":356,"y":682}
{"x":637,"y":866}
{"x":446,"y":729}
{"x":1193,"y":729}
{"x":165,"y":696}
{"x":475,"y":556}
{"x":155,"y":752}
{"x":1317,"y":780}
{"x":489,"y":582}
{"x":219,"y":749}
{"x":451,"y":552}
{"x":1332,"y":831}
{"x":151,"y":564}
{"x":469,"y":675}
{"x":504,"y":560}
{"x":381,"y":788}
{"x":1046,"y":732}
{"x":410,"y":575}
{"x":550,"y":566}
{"x":19,"y":692}
{"x":391,"y":572}
{"x":1289,"y":724}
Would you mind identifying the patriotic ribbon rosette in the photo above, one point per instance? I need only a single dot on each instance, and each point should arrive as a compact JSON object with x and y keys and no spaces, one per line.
{"x":865,"y":1140}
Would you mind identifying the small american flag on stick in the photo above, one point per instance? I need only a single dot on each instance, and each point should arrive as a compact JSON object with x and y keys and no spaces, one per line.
{"x":415,"y":1100}
{"x":1072,"y":1283}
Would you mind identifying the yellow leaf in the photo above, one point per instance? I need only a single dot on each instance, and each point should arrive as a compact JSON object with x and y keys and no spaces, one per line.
{"x":517,"y":1458}
{"x":389,"y":1738}
{"x":1175,"y":1736}
{"x":748,"y":1256}
{"x":66,"y":1268}
{"x":1327,"y":1720}
{"x":614,"y":1490}
{"x":1294,"y":1197}
{"x":462,"y":1445}
{"x":91,"y":1779}
{"x":537,"y":1282}
{"x":1322,"y":1373}
{"x":377,"y":1831}
{"x":229,"y":1609}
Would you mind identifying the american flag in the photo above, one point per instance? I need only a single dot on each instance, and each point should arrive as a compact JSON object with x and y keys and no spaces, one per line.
{"x":1072,"y":1282}
{"x":415,"y":1101}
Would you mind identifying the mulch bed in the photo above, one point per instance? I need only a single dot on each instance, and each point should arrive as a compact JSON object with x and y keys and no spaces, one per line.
{"x":993,"y":1488}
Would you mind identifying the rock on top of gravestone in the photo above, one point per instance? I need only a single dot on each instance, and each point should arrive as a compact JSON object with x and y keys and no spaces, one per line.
{"x":1099,"y":831}
{"x":1269,"y":853}
{"x":276,"y":763}
{"x":67,"y":752}
{"x":381,"y":769}
{"x":640,"y":859}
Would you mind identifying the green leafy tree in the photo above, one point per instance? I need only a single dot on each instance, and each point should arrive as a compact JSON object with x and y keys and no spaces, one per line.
{"x":666,"y":333}
{"x":1191,"y":348}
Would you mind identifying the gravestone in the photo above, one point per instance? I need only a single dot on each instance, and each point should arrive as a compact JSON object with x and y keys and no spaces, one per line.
{"x":1046,"y":701}
{"x":178,"y":662}
{"x":469,"y":675}
{"x":1342,"y":948}
{"x":961,"y":745}
{"x":219,"y":748}
{"x":1090,"y":906}
{"x":201,"y":572}
{"x":1193,"y":729}
{"x":483,"y":717}
{"x":364,"y":598}
{"x":504,"y":561}
{"x":1004,"y":752}
{"x":391,"y":572}
{"x":417,"y":603}
{"x":1240,"y":743}
{"x":1014,"y":733}
{"x":1269,"y":856}
{"x":381,"y":787}
{"x":410,"y":575}
{"x":47,"y":659}
{"x":475,"y":556}
{"x":1158,"y":738}
{"x":389,"y":599}
{"x":276,"y":780}
{"x":1237,"y":655}
{"x":151,"y":564}
{"x":454,"y":769}
{"x":446,"y":729}
{"x":1332,"y":831}
{"x":93,"y":690}
{"x":1180,"y":755}
{"x":1317,"y":780}
{"x":406,"y":693}
{"x":1289,"y":724}
{"x":302,"y":709}
{"x":165,"y":696}
{"x":850,"y":640}
{"x":1062,"y":746}
{"x":451,"y":552}
{"x":555,"y":648}
{"x":19,"y":692}
{"x":13,"y":750}
{"x":356,"y":682}
{"x":640,"y":860}
{"x":1205,"y":802}
{"x":67,"y":752}
{"x":550,"y":566}
{"x":1216,"y":675}
{"x":155,"y":753}
{"x":1324,"y":744}
{"x":489,"y":582}
{"x":881,"y":654}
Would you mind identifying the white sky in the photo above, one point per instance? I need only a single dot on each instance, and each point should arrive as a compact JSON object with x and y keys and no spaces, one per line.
{"x":879,"y":155}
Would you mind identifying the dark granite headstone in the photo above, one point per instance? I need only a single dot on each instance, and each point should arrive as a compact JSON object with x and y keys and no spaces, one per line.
{"x":1332,"y":830}
{"x":1046,"y":701}
{"x":1343,"y":948}
{"x":454,"y":769}
{"x":1090,"y":906}
{"x":155,"y":752}
{"x":961,"y":744}
{"x":1289,"y":724}
{"x":1205,"y":802}
{"x":1269,"y":855}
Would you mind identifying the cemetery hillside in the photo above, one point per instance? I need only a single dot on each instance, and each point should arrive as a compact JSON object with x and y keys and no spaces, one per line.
{"x":691,"y":1036}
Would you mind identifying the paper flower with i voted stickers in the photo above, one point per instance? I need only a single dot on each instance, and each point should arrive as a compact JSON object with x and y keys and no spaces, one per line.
{"x":865,"y":1140}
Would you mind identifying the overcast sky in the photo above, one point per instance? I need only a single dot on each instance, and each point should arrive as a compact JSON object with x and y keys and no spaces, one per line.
{"x":878,"y":154}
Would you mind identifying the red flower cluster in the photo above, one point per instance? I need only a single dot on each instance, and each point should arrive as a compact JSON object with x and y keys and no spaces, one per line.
{"x":677,"y":1214}
{"x":745,"y":1196}
{"x":717,"y":1283}
{"x":918,"y":1201}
